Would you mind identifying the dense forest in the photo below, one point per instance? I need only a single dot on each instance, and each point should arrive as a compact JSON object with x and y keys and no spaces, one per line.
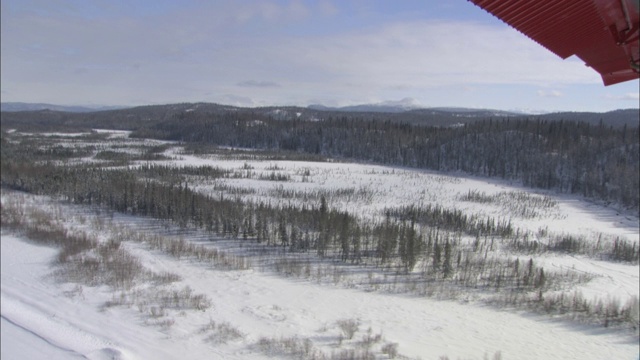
{"x":594,"y":159}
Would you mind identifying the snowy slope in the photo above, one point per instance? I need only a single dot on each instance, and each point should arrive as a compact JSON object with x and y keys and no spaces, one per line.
{"x":58,"y":320}
{"x":263,"y":305}
{"x":44,"y":318}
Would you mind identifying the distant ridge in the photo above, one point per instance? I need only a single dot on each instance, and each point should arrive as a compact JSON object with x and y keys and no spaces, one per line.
{"x":20,"y":106}
{"x":405,"y":106}
{"x":615,"y":118}
{"x":127,"y":118}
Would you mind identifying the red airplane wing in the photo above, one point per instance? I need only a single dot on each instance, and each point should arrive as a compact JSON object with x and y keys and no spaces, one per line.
{"x":603,"y":33}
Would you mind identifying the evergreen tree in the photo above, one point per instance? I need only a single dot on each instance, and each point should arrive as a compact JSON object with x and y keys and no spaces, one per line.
{"x":437,"y":254}
{"x":446,"y":266}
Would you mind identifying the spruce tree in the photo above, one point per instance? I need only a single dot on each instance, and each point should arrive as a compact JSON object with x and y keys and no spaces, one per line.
{"x":446,"y":266}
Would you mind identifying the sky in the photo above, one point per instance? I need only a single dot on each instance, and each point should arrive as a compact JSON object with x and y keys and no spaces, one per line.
{"x":428,"y":53}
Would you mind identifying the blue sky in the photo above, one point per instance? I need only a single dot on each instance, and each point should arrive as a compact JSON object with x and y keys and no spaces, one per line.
{"x":256,"y":53}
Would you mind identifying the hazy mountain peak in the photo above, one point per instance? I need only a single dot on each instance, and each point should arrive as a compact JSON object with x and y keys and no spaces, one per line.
{"x":407,"y":103}
{"x":392,"y":106}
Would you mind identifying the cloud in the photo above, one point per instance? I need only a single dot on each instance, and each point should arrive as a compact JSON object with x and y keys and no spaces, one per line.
{"x":436,"y":53}
{"x":550,"y":93}
{"x":400,"y":87}
{"x":627,"y":96}
{"x":183,"y":51}
{"x":258,"y":84}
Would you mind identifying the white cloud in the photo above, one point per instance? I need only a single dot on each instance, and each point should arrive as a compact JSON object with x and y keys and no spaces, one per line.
{"x":259,"y":84}
{"x":442,"y":53}
{"x":627,"y":96}
{"x":550,"y":93}
{"x":217,"y":47}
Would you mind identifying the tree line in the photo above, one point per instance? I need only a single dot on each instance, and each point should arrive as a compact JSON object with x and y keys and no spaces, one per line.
{"x":576,"y":155}
{"x":596,"y":161}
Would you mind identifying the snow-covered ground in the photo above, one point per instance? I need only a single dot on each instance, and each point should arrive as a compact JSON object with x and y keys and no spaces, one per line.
{"x":40,"y":320}
{"x":43,"y":318}
{"x":376,"y":187}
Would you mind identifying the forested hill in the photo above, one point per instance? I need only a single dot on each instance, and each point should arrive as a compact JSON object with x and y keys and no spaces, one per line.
{"x":145,"y":116}
{"x":593,"y":158}
{"x":616,"y":118}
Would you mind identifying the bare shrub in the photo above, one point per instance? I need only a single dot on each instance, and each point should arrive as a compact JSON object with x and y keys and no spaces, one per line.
{"x":164,"y":278}
{"x":222,"y":333}
{"x":390,"y":349}
{"x":289,"y":267}
{"x":163,"y":323}
{"x":349,"y":327}
{"x":157,"y":312}
{"x":106,"y":264}
{"x":76,"y":291}
{"x":124,"y":299}
{"x":368,"y":340}
{"x":353,"y":354}
{"x":210,"y":326}
{"x":181,"y":248}
{"x":290,"y":346}
{"x":177,"y":299}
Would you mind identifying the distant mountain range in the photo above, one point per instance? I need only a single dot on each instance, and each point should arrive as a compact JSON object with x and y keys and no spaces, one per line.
{"x":405,"y":104}
{"x":399,"y":106}
{"x":405,"y":111}
{"x":20,"y":106}
{"x":409,"y":104}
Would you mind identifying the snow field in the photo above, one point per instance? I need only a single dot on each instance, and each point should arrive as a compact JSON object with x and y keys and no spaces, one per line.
{"x":67,"y":320}
{"x":370,"y":189}
{"x":262,"y":305}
